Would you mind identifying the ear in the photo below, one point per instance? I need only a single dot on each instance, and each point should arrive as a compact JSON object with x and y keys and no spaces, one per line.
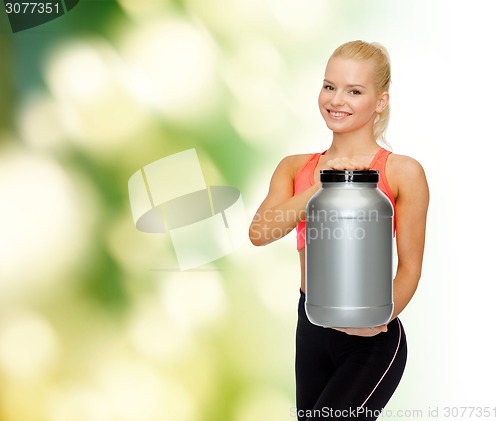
{"x":383,"y":102}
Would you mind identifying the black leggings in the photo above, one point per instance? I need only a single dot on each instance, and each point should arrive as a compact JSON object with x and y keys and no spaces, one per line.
{"x":345,"y":377}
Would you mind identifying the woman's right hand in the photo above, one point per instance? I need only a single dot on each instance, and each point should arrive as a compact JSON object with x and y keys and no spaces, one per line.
{"x":346,"y":164}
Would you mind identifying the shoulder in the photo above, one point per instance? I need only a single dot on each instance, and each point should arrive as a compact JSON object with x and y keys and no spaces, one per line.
{"x":292,"y":163}
{"x":405,"y":173}
{"x":404,"y":164}
{"x":282,"y":180}
{"x":298,"y":159}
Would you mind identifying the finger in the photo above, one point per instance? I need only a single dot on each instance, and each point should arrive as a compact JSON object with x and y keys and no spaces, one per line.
{"x":339,"y":329}
{"x":382,"y":328}
{"x":336,"y":165}
{"x":345,"y":164}
{"x":347,"y":331}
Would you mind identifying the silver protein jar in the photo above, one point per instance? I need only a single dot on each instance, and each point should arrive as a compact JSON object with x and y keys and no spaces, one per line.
{"x":349,"y":240}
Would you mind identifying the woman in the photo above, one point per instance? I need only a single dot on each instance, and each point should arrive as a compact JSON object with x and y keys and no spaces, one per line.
{"x":350,"y":373}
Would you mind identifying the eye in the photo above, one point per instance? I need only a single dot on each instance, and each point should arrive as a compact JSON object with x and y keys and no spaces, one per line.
{"x":355,"y":92}
{"x":328,"y":87}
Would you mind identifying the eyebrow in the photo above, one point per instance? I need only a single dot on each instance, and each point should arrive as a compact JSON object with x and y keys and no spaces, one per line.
{"x":348,"y":86}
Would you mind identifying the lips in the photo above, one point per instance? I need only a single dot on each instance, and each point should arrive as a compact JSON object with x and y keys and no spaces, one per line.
{"x":338,"y":114}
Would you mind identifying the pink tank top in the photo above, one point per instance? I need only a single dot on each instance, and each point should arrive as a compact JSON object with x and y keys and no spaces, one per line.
{"x":305,"y":179}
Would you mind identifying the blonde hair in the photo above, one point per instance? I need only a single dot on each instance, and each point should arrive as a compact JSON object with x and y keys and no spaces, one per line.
{"x":378,"y":55}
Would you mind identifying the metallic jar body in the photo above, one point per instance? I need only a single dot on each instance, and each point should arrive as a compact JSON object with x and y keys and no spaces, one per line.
{"x":349,"y":240}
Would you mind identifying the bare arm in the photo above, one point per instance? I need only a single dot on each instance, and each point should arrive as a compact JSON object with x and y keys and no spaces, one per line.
{"x":411,"y":210}
{"x":281,"y":211}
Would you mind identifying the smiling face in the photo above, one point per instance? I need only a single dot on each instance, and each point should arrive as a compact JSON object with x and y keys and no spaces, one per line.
{"x":349,"y":101}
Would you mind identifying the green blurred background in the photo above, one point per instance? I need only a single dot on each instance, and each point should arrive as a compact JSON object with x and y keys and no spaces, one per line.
{"x":96,"y":321}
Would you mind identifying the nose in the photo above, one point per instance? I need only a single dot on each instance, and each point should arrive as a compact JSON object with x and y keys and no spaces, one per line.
{"x":337,"y":98}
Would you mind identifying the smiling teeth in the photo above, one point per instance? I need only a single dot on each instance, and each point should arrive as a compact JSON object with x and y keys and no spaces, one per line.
{"x":339,"y":114}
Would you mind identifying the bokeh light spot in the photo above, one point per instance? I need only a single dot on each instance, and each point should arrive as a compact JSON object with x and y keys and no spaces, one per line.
{"x":28,"y":345}
{"x":43,"y":221}
{"x":174,"y":63}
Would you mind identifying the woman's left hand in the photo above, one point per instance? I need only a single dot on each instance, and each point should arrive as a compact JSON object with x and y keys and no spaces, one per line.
{"x":365,"y":331}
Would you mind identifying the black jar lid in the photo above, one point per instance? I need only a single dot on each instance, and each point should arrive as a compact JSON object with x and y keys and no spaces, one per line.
{"x":347,"y":176}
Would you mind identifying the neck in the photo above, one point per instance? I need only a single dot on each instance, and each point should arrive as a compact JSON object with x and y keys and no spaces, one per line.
{"x":352,"y":144}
